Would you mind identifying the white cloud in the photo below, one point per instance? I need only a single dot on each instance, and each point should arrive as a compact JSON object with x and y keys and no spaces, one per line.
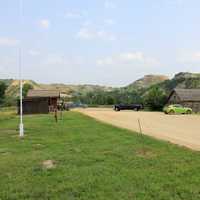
{"x":196,"y":56}
{"x":109,"y":5}
{"x":5,"y":41}
{"x":131,"y":56}
{"x":8,"y":66}
{"x":33,"y":52}
{"x":84,"y":33}
{"x":58,"y":60}
{"x":88,"y":34}
{"x":189,"y":57}
{"x":105,"y":61}
{"x":128,"y":58}
{"x":102,"y":34}
{"x":87,"y":23}
{"x":1,"y":68}
{"x":53,"y":59}
{"x":44,"y":23}
{"x":73,"y":15}
{"x":175,"y":2}
{"x":109,"y":21}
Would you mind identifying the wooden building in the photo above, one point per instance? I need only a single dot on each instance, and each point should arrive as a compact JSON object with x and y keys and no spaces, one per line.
{"x":35,"y":106}
{"x":40,"y":101}
{"x":186,"y":97}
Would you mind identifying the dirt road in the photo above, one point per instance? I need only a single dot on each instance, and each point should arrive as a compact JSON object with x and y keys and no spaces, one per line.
{"x":178,"y":129}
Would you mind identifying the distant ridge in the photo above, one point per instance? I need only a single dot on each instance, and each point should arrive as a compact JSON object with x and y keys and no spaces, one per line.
{"x":180,"y":80}
{"x":148,"y":80}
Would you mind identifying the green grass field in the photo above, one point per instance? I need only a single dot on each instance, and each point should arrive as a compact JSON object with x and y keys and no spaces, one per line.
{"x":93,"y":161}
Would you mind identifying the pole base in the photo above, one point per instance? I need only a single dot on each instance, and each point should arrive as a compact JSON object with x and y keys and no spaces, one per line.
{"x":21,"y":130}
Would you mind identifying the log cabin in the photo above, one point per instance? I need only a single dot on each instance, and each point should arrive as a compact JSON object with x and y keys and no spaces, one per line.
{"x":40,"y":101}
{"x":185,"y":97}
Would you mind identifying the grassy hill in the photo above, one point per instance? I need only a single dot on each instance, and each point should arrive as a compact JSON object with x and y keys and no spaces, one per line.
{"x":72,"y":89}
{"x":181,"y":80}
{"x":13,"y":87}
{"x":147,"y":81}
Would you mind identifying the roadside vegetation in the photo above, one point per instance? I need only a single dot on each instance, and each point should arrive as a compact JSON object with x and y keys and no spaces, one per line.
{"x":81,"y":158}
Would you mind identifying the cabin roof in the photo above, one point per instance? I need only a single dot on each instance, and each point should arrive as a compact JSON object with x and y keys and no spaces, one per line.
{"x":43,"y":93}
{"x":187,"y":94}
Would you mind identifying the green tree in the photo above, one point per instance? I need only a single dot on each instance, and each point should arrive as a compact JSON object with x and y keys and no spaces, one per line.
{"x":26,"y":88}
{"x":2,"y":91}
{"x":109,"y":100}
{"x":155,"y":99}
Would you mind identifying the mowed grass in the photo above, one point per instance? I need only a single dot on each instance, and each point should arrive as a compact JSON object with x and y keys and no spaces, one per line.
{"x":93,"y":161}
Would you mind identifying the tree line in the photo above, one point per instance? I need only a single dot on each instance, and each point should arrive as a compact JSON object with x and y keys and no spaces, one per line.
{"x":154,"y":98}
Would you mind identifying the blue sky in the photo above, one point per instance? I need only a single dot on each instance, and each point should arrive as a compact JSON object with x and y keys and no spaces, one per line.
{"x":107,"y":42}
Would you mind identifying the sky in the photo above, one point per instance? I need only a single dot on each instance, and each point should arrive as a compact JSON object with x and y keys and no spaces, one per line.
{"x":105,"y":42}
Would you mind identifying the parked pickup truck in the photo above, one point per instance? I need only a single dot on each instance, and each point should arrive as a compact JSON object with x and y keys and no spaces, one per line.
{"x":136,"y":107}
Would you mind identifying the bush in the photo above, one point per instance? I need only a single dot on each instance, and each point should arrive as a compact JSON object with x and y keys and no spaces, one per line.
{"x":2,"y":92}
{"x":155,"y":99}
{"x":26,"y":88}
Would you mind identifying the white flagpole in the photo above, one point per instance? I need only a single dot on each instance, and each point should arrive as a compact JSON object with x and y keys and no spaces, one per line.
{"x":21,"y":125}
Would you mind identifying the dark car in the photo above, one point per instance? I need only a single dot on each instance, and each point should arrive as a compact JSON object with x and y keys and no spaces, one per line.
{"x":136,"y":107}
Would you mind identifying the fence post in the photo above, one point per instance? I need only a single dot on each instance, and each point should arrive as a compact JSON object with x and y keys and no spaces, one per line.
{"x":140,"y":127}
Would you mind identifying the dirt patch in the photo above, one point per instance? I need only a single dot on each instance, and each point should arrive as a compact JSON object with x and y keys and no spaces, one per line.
{"x":4,"y":152}
{"x":8,"y":131}
{"x":145,"y":153}
{"x":49,"y":164}
{"x":107,"y":152}
{"x":38,"y":146}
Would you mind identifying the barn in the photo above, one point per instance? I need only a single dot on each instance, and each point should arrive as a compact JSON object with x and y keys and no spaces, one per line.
{"x":40,"y":101}
{"x":186,"y":97}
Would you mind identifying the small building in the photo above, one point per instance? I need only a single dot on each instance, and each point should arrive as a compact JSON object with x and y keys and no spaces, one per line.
{"x":35,"y":106}
{"x":186,"y":97}
{"x":40,"y":101}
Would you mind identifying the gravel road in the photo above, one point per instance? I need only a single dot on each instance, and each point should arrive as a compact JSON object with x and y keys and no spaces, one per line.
{"x":183,"y":130}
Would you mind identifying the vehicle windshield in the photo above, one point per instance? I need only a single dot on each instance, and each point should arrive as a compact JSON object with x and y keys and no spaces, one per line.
{"x":178,"y":106}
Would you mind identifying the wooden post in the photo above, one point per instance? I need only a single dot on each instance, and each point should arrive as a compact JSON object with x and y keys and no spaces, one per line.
{"x":61,"y":110}
{"x":61,"y":114}
{"x":56,"y":115}
{"x":140,"y":127}
{"x":141,"y":137}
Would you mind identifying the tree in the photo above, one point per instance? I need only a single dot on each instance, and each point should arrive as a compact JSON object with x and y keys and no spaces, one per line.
{"x":2,"y":91}
{"x":26,"y":88}
{"x":155,"y":99}
{"x":109,"y":100}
